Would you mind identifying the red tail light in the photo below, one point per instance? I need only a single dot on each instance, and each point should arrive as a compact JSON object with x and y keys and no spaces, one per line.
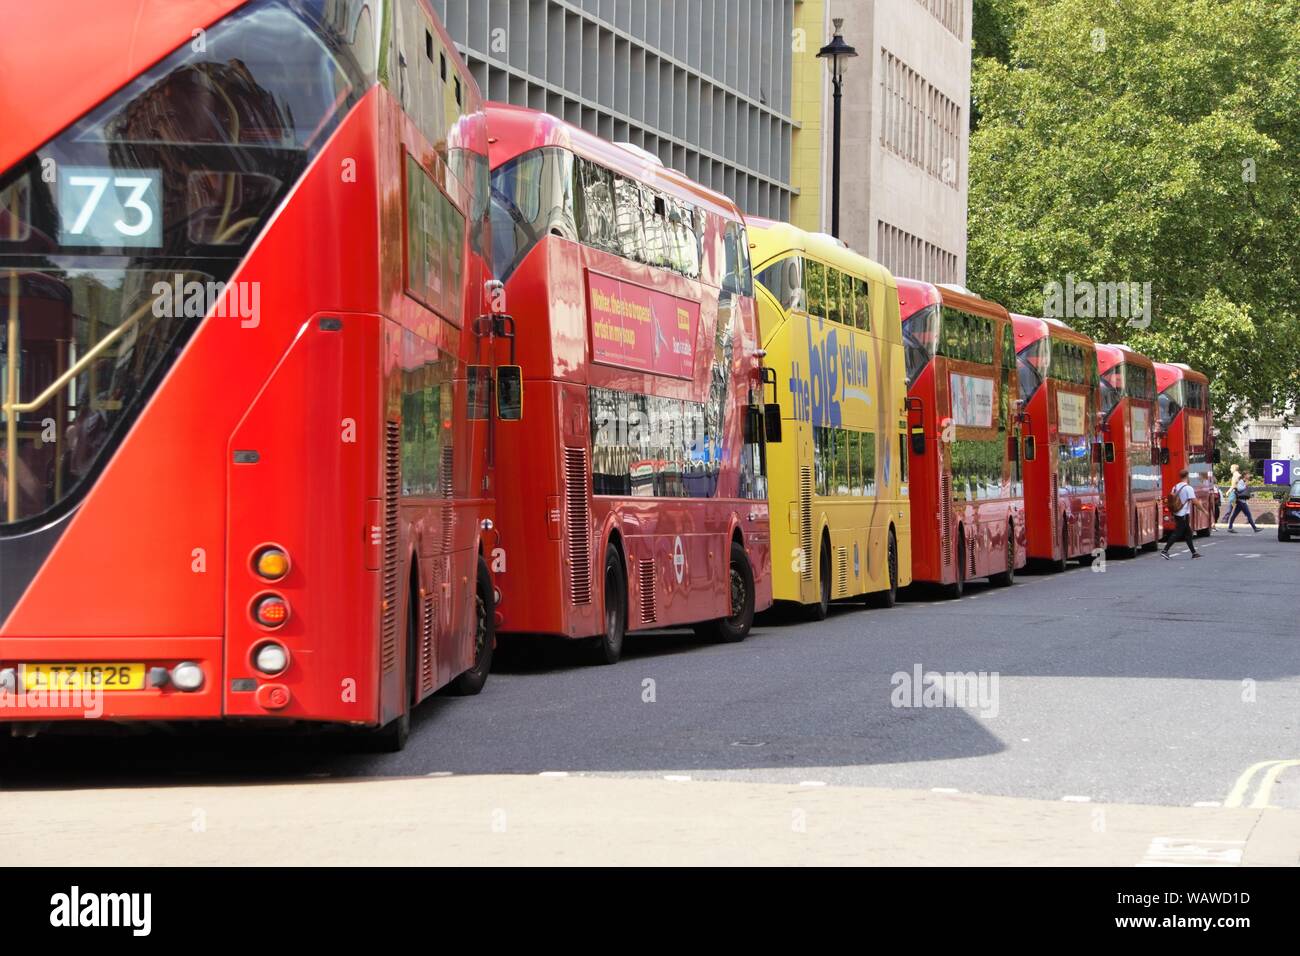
{"x":271,"y":611}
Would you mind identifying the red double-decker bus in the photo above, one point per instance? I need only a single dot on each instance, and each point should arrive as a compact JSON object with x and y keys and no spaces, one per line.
{"x":1060,"y":389}
{"x":1132,"y":467}
{"x":240,"y":276}
{"x":964,"y":480}
{"x":641,"y":498}
{"x":1186,"y":442}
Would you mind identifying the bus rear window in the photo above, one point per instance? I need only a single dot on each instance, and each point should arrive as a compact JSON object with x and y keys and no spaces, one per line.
{"x":920,"y":340}
{"x":1032,"y":363}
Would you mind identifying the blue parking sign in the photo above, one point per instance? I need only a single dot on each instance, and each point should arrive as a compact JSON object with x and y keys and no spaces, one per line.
{"x":1280,"y":471}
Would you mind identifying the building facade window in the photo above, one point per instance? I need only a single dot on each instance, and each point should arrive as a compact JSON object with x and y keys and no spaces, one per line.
{"x":907,"y":255}
{"x":951,"y":13}
{"x":919,"y":123}
{"x":657,"y":75}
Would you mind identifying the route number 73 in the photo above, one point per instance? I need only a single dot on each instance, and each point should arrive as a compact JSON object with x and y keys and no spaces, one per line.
{"x":100,"y":207}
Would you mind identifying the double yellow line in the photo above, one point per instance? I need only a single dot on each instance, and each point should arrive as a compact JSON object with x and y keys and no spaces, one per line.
{"x":1272,"y":770}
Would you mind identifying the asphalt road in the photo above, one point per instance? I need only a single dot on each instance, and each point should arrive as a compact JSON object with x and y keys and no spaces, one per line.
{"x":1159,"y":682}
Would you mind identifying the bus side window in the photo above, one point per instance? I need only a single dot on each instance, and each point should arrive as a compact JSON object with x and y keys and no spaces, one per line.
{"x":631,"y":227}
{"x":814,"y":285}
{"x":595,"y":202}
{"x":861,"y":311}
{"x":833,"y":310}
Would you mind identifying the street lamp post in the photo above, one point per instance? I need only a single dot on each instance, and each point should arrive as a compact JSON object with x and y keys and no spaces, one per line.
{"x":837,"y":54}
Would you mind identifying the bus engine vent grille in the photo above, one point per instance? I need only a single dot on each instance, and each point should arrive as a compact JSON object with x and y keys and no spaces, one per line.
{"x":841,"y":572}
{"x":1056,"y":528}
{"x":427,"y":617}
{"x":646,"y":584}
{"x":805,"y":522}
{"x":945,"y":516}
{"x":392,"y":493}
{"x":577,"y":515}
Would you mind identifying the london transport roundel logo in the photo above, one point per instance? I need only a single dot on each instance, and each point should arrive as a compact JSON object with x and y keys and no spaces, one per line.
{"x":679,"y":559}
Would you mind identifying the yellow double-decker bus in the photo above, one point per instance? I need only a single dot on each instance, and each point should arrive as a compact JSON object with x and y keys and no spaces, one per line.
{"x":841,"y":523}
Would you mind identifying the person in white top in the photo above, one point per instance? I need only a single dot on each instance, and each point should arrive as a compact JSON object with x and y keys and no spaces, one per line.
{"x":1241,"y":495}
{"x":1182,"y":516}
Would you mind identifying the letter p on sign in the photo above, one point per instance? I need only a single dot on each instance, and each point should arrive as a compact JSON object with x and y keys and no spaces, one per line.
{"x":1277,"y":471}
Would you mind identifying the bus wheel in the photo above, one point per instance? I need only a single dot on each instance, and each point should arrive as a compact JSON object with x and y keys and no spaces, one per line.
{"x":958,"y":587}
{"x":818,"y":611}
{"x":1004,"y":579}
{"x":889,"y":597}
{"x":472,"y":681}
{"x":609,"y":646}
{"x":730,"y":630}
{"x":1062,"y":563}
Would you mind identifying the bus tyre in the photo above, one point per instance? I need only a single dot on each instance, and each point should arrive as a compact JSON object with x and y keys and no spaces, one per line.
{"x":958,"y":587}
{"x":733,"y":629}
{"x":1060,"y":564}
{"x":1004,"y":579}
{"x":889,"y":597}
{"x":472,"y":681}
{"x":609,"y":646}
{"x":818,"y":611}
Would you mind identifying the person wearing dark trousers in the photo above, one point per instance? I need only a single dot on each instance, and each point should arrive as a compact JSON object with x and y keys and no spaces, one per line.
{"x":1242,"y":489}
{"x":1182,"y":515}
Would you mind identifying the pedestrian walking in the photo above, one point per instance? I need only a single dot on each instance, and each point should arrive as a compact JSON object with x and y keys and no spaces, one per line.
{"x":1241,"y":494}
{"x":1179,"y":503}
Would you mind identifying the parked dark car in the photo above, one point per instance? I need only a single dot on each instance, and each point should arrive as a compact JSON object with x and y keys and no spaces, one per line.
{"x":1288,"y":513}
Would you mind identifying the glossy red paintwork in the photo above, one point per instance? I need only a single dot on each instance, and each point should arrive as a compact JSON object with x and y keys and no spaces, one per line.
{"x":1079,"y":515}
{"x":1185,"y":454}
{"x":156,"y":565}
{"x":982,"y":524}
{"x":1132,"y":513}
{"x":547,"y":296}
{"x":63,"y":58}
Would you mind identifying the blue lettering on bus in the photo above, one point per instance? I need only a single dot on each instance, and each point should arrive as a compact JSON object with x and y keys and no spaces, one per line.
{"x":833,"y":367}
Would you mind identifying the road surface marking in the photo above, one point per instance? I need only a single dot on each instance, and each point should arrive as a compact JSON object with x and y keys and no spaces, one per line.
{"x":1208,"y":803}
{"x":1075,"y":798}
{"x":1273,"y":768}
{"x":677,"y":777}
{"x":944,"y":790}
{"x":812,"y":783}
{"x":1177,"y":851}
{"x":1265,"y":791}
{"x":554,"y":773}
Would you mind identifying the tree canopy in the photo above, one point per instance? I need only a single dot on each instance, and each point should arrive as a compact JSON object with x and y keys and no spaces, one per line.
{"x":1147,"y":141}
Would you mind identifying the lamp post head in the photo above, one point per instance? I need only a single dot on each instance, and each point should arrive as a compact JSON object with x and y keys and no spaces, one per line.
{"x":837,"y":52}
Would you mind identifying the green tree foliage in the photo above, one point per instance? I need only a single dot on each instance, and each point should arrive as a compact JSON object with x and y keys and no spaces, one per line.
{"x":1149,"y":141}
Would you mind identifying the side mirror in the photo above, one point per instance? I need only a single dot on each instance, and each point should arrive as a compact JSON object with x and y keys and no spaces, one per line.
{"x":1031,"y":447}
{"x":772,"y":422}
{"x":1110,"y":451}
{"x":1013,"y":448}
{"x":510,"y":393}
{"x":918,"y":441}
{"x":753,"y":424}
{"x":1164,"y":456}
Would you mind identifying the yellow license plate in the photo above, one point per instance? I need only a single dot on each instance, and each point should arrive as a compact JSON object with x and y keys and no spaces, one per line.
{"x":50,"y":677}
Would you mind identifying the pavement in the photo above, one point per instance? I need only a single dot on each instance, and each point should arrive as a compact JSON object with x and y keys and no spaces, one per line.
{"x":533,"y":820}
{"x":1157,"y":700}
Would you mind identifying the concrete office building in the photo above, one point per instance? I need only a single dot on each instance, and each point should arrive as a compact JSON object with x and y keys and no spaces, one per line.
{"x":702,"y":84}
{"x":905,"y":140}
